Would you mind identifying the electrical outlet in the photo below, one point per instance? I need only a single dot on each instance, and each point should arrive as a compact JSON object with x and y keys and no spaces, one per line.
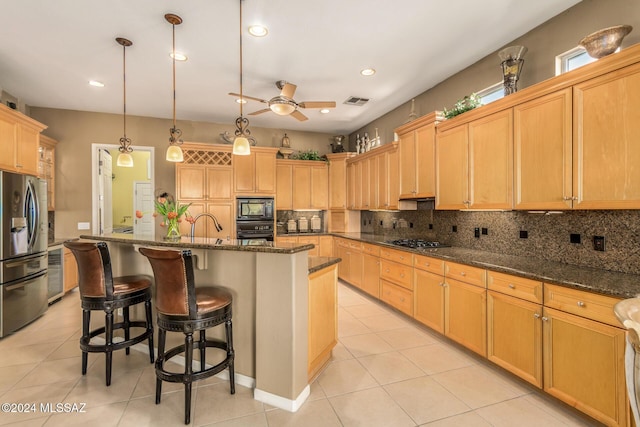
{"x":524,"y":234}
{"x":454,"y":228}
{"x":598,"y":243}
{"x":410,"y":225}
{"x":574,"y":238}
{"x":485,"y":231}
{"x":430,"y":226}
{"x":84,"y":225}
{"x":476,"y":233}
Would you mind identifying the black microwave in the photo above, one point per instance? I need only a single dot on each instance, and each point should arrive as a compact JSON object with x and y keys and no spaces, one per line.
{"x":255,"y":208}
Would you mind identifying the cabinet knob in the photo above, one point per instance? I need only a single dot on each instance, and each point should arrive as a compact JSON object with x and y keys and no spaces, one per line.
{"x":462,"y":273}
{"x":402,"y":299}
{"x":580,"y":304}
{"x":512,"y":286}
{"x":536,"y":315}
{"x":401,"y":257}
{"x":427,"y":264}
{"x":545,"y":318}
{"x":401,"y":274}
{"x":387,"y":270}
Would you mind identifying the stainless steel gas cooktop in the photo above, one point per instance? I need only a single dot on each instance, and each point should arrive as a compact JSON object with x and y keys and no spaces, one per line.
{"x":417,"y":243}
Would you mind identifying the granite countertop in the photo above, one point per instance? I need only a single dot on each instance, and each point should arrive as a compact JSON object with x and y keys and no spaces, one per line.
{"x":60,"y":241}
{"x":317,"y":263}
{"x":308,"y":233}
{"x":203,"y":243}
{"x":620,"y":285}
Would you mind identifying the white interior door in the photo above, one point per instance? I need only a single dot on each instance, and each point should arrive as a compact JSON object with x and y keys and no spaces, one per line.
{"x":105,"y":194}
{"x":143,"y":202}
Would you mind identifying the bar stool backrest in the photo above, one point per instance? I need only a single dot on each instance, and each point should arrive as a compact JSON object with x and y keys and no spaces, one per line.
{"x":95,"y":279}
{"x":174,"y":281}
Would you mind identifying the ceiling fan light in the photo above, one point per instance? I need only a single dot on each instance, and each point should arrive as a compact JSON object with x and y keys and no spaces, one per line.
{"x":258,"y":31}
{"x":125,"y":160}
{"x":325,"y":111}
{"x":241,"y":146}
{"x":174,"y":154}
{"x":282,"y":108}
{"x":178,"y":56}
{"x":368,"y":72}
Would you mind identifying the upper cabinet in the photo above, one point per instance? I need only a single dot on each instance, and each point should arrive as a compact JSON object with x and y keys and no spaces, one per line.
{"x":255,"y":173}
{"x":417,"y":157}
{"x":302,"y":184}
{"x":46,"y":167}
{"x":372,"y":179}
{"x":474,"y":164}
{"x":20,"y":141}
{"x":338,"y":180}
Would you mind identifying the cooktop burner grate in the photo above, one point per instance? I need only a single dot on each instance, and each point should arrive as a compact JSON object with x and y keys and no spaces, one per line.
{"x":417,"y":243}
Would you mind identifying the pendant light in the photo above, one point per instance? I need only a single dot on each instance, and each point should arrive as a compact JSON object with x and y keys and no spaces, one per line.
{"x":124,"y":158}
{"x":174,"y":152}
{"x":241,"y":143}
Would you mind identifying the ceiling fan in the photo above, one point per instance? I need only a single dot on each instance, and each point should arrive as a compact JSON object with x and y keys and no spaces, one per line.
{"x":284,"y":104}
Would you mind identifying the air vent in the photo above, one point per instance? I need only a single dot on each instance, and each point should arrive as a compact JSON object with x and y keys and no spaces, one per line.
{"x":354,"y":100}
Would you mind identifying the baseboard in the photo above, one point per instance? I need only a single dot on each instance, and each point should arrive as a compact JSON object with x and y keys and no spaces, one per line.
{"x":281,"y":402}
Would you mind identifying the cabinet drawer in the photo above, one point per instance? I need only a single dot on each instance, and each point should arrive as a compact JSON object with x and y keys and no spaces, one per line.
{"x":586,"y":304}
{"x":371,"y":249}
{"x":342,"y":243}
{"x":356,"y":246}
{"x":465,"y":273}
{"x":399,"y":274}
{"x":425,"y":263}
{"x":397,"y":297}
{"x":304,"y":240}
{"x":518,"y":287}
{"x":397,"y":256}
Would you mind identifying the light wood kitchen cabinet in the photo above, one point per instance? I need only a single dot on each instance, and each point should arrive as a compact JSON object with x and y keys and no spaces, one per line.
{"x":428,"y":291}
{"x":302,"y":184}
{"x":70,"y":271}
{"x":311,"y":240}
{"x":326,"y":246}
{"x":396,"y":279}
{"x":46,"y":168}
{"x":542,"y":149}
{"x":200,"y":182}
{"x":341,"y":249}
{"x":338,"y":179}
{"x":255,"y":173}
{"x":20,"y":139}
{"x":482,"y":177}
{"x":466,"y":306}
{"x":514,"y":339}
{"x":372,"y":181}
{"x":223,"y":211}
{"x":284,"y":186}
{"x":417,"y":157}
{"x":350,"y":269}
{"x":371,"y":269}
{"x":388,"y":179}
{"x":362,"y":184}
{"x":351,"y":185}
{"x":606,"y":153}
{"x":323,"y":318}
{"x":288,"y":240}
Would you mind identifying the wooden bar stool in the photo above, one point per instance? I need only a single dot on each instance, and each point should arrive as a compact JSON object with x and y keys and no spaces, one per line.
{"x":183,"y":307}
{"x":99,"y":290}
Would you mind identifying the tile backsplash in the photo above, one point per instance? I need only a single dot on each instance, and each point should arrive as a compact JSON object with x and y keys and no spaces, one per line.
{"x":548,"y":235}
{"x":283,"y":216}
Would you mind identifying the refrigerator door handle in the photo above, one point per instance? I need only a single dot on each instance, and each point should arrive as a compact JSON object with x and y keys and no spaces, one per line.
{"x":32,"y":212}
{"x":25,"y":282}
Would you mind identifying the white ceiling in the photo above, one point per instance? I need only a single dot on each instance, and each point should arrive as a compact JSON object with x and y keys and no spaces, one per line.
{"x":50,"y":49}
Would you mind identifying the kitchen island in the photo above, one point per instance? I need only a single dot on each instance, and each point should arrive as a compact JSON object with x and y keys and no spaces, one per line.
{"x":270,"y":290}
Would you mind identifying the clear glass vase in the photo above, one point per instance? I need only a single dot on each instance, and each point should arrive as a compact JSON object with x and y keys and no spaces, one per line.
{"x":173,"y":230}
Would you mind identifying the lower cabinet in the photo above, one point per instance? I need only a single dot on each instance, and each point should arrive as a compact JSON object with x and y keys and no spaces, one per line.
{"x":313,"y":240}
{"x":323,"y":244}
{"x":371,"y":274}
{"x":397,"y":296}
{"x":70,"y":269}
{"x":323,"y":318}
{"x":465,"y":315}
{"x":428,"y":294}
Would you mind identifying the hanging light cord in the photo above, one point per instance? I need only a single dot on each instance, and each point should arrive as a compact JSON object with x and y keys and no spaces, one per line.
{"x":125,"y":143}
{"x":175,"y":133}
{"x":242,"y":123}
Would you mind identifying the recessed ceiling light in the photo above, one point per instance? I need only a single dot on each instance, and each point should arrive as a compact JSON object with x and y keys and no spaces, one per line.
{"x":368,"y":72}
{"x":179,"y":56}
{"x":324,"y":111}
{"x":258,"y":31}
{"x":241,"y":101}
{"x":96,"y":83}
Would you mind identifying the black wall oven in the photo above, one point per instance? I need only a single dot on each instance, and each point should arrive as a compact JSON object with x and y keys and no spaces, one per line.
{"x":254,"y":218}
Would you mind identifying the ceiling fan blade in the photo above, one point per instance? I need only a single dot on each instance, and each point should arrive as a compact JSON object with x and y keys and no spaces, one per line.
{"x":288,"y":90}
{"x":298,"y":115}
{"x":255,"y":113}
{"x":317,"y":104}
{"x":248,"y":97}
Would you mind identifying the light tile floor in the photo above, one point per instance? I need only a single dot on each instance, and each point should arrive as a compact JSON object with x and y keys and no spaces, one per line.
{"x":385,"y":371}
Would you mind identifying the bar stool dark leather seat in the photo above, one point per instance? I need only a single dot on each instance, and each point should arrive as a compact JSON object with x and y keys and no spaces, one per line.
{"x":183,"y":307}
{"x":99,"y":290}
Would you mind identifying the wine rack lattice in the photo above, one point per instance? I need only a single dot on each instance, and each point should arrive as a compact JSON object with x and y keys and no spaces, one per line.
{"x":206,"y":157}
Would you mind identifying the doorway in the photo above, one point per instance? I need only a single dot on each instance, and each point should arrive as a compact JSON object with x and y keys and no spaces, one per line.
{"x":114,"y":201}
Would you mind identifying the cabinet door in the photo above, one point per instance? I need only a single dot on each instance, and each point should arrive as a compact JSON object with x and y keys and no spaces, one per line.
{"x":466,"y":315}
{"x":584,"y":365}
{"x":338,"y":184}
{"x":219,"y":183}
{"x":393,"y":174}
{"x":542,"y":141}
{"x":407,"y":149}
{"x":284,"y":187}
{"x":351,"y":185}
{"x":491,"y":161}
{"x":244,"y":173}
{"x":286,"y":240}
{"x":319,"y":187}
{"x":425,"y":140}
{"x":190,"y":182}
{"x":313,"y":240}
{"x":8,"y":141}
{"x":371,"y":275}
{"x":70,"y":271}
{"x":428,"y":294}
{"x":224,"y":214}
{"x":323,"y":318}
{"x":514,"y":329}
{"x":452,"y":158}
{"x":372,"y":182}
{"x":28,"y":141}
{"x":301,"y":187}
{"x":265,"y":176}
{"x":383,"y":181}
{"x":355,"y":267}
{"x":194,"y":210}
{"x":606,"y":153}
{"x":326,"y":246}
{"x":344,"y":267}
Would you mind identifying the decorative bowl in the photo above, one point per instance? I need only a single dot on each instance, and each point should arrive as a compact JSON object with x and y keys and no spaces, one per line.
{"x":604,"y":42}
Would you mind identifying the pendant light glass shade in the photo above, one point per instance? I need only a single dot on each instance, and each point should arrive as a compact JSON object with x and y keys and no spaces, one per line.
{"x":241,"y":146}
{"x":125,"y":160}
{"x":174,"y":152}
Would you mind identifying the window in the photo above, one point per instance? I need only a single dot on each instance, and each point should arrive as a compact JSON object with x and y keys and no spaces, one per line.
{"x":572,"y":59}
{"x":491,"y":93}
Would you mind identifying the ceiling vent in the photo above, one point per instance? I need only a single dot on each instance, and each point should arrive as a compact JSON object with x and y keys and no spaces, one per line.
{"x":354,"y":100}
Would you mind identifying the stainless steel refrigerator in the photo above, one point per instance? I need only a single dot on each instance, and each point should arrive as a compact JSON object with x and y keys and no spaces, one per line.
{"x":23,"y":251}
